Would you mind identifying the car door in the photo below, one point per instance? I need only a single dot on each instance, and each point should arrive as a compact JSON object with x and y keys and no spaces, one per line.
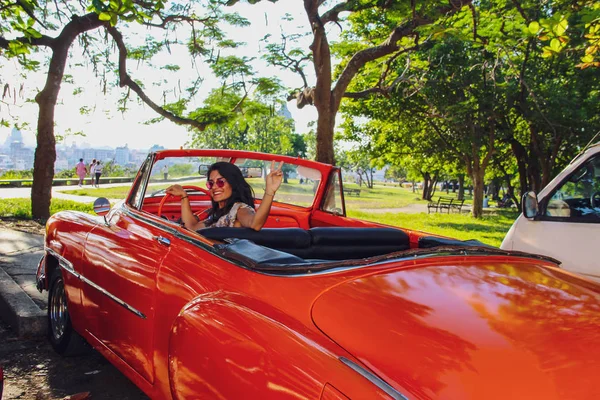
{"x":568,"y":224}
{"x":121,"y":260}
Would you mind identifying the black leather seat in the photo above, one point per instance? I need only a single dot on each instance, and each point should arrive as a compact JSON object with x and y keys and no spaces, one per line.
{"x":337,"y":243}
{"x":327,"y":243}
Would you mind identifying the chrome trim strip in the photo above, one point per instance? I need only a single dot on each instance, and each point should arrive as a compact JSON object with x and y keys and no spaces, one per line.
{"x":68,"y":266}
{"x":63,"y":262}
{"x":374,"y":379}
{"x":113,"y":298}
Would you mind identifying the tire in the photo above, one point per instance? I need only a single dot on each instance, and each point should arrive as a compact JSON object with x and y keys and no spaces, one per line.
{"x":61,"y":334}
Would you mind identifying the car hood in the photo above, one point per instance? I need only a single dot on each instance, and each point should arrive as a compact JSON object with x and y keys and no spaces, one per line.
{"x":476,"y":330}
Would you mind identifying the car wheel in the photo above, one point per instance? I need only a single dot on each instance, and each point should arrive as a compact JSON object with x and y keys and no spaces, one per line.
{"x":63,"y":338}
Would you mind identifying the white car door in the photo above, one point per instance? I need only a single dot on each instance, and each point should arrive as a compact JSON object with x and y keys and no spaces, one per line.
{"x":568,"y":225}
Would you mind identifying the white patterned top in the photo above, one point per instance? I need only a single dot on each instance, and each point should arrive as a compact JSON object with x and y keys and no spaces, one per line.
{"x":228,"y":220}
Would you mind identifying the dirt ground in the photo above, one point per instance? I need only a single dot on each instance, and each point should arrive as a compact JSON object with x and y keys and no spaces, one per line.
{"x":22,"y":225}
{"x":33,"y":371}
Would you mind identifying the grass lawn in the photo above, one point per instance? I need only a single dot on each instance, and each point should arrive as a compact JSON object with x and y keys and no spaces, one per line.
{"x":21,"y":208}
{"x":490,"y":229}
{"x":371,"y":205}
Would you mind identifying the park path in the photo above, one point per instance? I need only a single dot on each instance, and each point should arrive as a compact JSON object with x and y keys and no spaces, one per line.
{"x":57,"y":193}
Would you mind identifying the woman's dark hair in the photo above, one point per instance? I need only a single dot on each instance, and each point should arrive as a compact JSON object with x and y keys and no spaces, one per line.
{"x":241,"y":191}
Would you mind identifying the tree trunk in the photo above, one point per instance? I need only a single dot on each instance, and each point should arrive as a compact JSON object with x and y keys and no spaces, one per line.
{"x":461,"y":187}
{"x":325,"y":125}
{"x":426,"y":195}
{"x":433,"y":185}
{"x":45,"y":156}
{"x":45,"y":152}
{"x":477,"y":177}
{"x":521,"y":157}
{"x":546,"y":172}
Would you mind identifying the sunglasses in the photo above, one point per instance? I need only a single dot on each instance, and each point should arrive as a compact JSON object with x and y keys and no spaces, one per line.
{"x":220,"y":182}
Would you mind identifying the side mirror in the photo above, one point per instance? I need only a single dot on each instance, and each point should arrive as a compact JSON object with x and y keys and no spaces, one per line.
{"x":530,"y":205}
{"x":101,"y":206}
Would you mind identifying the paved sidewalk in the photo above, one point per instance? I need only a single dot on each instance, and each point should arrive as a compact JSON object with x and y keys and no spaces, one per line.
{"x":57,"y":193}
{"x":21,"y":305}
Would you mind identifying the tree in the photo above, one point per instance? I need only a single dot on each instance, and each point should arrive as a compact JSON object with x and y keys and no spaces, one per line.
{"x":481,"y":81}
{"x":256,"y":127}
{"x":27,"y":26}
{"x":395,"y":31}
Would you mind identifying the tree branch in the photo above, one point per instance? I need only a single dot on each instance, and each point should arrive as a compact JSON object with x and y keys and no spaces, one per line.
{"x":366,"y":93}
{"x":520,"y":10}
{"x":125,"y":80}
{"x":43,"y":41}
{"x":177,"y":18}
{"x":332,"y":15}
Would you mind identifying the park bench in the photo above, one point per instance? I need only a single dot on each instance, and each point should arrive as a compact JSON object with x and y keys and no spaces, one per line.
{"x":445,"y":203}
{"x":352,"y":192}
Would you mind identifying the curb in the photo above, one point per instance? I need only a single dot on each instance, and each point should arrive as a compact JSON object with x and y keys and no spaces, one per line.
{"x":17,"y":309}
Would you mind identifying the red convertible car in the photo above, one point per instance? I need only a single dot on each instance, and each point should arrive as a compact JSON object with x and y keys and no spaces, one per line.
{"x":315,"y":305}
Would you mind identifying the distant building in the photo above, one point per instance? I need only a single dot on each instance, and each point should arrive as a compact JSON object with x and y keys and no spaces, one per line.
{"x":122,"y":155}
{"x":21,"y":156}
{"x":61,"y":164}
{"x":155,"y":148}
{"x":285,"y":112}
{"x":6,"y":162}
{"x":15,"y":136}
{"x":104,"y":154}
{"x":88,"y":155}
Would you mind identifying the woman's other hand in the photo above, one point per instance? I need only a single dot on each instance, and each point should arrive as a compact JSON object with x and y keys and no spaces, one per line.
{"x":176,"y":190}
{"x":274,"y":178}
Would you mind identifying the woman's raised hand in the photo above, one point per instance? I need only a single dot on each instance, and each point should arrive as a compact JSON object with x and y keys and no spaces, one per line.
{"x":274,"y":178}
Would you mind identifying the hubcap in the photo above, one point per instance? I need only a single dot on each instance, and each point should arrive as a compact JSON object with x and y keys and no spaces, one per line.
{"x":58,"y":310}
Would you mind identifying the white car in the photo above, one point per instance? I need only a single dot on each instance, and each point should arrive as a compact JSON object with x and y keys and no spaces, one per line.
{"x":563,"y":220}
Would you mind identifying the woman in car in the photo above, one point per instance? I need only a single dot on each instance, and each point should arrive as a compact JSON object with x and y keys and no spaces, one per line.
{"x":232,"y":199}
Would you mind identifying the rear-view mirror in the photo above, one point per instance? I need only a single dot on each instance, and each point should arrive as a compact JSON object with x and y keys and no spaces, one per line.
{"x":530,"y":205}
{"x":101,"y":206}
{"x":203,"y":169}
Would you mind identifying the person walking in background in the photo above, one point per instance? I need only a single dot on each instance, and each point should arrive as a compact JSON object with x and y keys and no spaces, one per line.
{"x":81,"y":171}
{"x":92,"y":171}
{"x":165,"y":170}
{"x":98,"y":172}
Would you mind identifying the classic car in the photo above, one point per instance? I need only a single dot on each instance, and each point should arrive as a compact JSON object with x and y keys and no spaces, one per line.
{"x":563,"y":221}
{"x":316,"y":305}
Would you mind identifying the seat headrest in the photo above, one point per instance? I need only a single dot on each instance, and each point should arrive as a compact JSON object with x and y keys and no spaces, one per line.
{"x":358,"y":236}
{"x":272,"y":237}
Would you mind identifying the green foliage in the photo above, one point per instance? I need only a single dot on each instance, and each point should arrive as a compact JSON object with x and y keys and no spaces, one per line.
{"x":182,"y":170}
{"x":255,"y":128}
{"x":12,"y":174}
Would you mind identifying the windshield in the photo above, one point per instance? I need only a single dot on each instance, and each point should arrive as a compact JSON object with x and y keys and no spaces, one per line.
{"x":298,"y":188}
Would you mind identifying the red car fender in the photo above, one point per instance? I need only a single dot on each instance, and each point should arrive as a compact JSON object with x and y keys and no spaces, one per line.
{"x":67,"y":249}
{"x":215,"y":342}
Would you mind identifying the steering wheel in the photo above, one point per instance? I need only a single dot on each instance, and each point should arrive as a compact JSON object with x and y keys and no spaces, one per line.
{"x":595,"y":199}
{"x":169,"y":195}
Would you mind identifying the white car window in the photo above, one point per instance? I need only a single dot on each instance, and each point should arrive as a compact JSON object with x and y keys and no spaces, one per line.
{"x":578,"y":198}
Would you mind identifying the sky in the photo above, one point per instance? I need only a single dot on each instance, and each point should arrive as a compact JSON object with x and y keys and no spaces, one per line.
{"x":105,"y":126}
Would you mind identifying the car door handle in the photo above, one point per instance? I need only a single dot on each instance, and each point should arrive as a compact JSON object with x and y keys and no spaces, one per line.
{"x":163,"y":240}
